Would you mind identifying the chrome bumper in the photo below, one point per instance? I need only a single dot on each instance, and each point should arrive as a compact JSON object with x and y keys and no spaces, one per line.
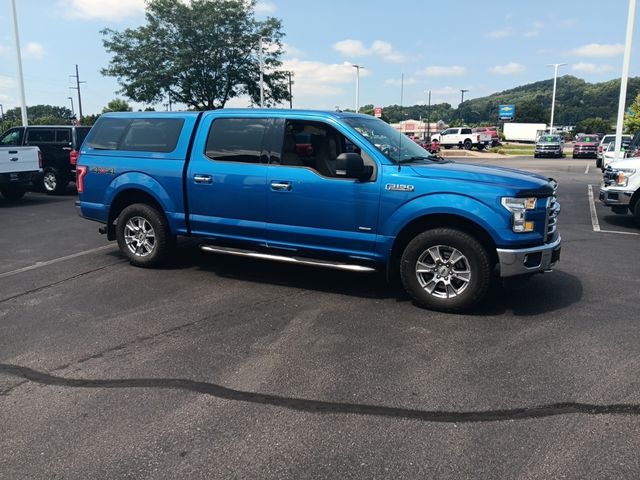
{"x":612,"y":197}
{"x":529,"y":260}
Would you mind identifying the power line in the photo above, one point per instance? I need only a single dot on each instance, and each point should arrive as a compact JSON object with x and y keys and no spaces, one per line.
{"x":77,"y":87}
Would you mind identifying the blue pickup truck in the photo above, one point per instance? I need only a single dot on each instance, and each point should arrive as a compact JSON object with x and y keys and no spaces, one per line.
{"x":327,"y":189}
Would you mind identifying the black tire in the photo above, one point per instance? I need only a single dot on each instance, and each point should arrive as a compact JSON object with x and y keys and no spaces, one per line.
{"x":636,"y":212}
{"x":475,"y":259}
{"x":480,"y":147}
{"x":11,"y":192}
{"x":598,"y":163}
{"x":54,"y":182}
{"x":467,"y":145}
{"x":148,"y":253}
{"x":447,"y":147}
{"x":535,"y":155}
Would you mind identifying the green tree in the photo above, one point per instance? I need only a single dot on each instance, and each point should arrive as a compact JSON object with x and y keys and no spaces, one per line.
{"x":593,"y":125}
{"x":89,"y":120}
{"x":201,"y":54}
{"x":41,"y":115}
{"x":117,"y":105}
{"x":632,"y":117}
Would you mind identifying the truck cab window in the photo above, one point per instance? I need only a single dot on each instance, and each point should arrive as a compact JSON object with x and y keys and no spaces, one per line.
{"x":40,"y":135}
{"x":236,"y":139}
{"x":12,"y":137}
{"x":316,"y":145}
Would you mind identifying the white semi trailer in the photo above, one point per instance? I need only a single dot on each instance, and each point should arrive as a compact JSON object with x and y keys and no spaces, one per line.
{"x":523,"y":132}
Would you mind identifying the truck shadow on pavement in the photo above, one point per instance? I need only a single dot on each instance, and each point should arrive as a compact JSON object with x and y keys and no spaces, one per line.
{"x":541,"y":294}
{"x":319,"y":406}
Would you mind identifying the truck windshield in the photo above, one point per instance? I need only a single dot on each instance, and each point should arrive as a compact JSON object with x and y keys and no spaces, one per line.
{"x":549,"y":139}
{"x":393,"y":144}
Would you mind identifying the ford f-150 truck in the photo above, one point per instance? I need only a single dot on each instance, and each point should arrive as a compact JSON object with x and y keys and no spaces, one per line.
{"x":18,"y":168}
{"x":359,"y":196}
{"x":620,"y":188}
{"x":463,"y":138}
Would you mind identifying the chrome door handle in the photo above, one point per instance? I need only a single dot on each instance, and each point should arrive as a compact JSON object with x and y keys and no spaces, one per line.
{"x":13,"y":159}
{"x":206,"y":179}
{"x":281,"y":186}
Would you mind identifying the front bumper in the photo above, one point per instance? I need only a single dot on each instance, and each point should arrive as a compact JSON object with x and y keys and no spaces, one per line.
{"x":613,"y":197}
{"x":525,"y":261}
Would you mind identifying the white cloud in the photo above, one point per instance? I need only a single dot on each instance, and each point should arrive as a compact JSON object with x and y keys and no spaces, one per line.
{"x":356,"y":48}
{"x":440,"y":71}
{"x":101,"y":9}
{"x":396,"y":82}
{"x":591,"y":68}
{"x":537,"y":25}
{"x":291,"y":51}
{"x":265,"y":7}
{"x":598,"y":50}
{"x":531,"y":33}
{"x":33,"y":50}
{"x":511,"y":68}
{"x":6,"y":82}
{"x":314,"y":78}
{"x":501,"y":32}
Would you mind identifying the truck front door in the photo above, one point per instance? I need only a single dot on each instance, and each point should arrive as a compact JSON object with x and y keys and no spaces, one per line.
{"x":226,"y":178}
{"x":311,"y":207}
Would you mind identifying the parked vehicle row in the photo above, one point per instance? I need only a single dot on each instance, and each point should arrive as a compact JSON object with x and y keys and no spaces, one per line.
{"x":59,"y":145}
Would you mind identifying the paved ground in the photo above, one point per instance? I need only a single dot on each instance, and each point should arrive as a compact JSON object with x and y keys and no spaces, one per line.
{"x":219,"y":367}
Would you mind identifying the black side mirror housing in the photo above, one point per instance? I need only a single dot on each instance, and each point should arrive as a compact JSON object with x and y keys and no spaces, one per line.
{"x":351,"y":165}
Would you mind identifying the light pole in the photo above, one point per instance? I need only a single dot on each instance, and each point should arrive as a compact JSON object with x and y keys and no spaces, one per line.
{"x":555,"y":82}
{"x":23,"y":101}
{"x":1,"y":112}
{"x":357,"y":67}
{"x":290,"y":90}
{"x":261,"y":72}
{"x":73,"y":112}
{"x":429,"y":119}
{"x":623,"y":81}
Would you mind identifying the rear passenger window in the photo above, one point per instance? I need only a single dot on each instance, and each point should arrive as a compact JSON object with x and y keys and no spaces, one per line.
{"x":136,"y":134}
{"x":40,"y":135}
{"x":236,"y":139}
{"x":63,"y":136}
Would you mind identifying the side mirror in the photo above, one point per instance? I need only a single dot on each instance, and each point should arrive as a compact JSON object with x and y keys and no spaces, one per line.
{"x":351,"y":165}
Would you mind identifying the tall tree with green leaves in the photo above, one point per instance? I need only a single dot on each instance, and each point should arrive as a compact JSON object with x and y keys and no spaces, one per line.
{"x":632,"y":117}
{"x":201,"y":54}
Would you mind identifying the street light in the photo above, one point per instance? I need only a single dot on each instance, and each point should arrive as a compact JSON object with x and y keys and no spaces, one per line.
{"x":624,"y":79}
{"x":73,"y":112}
{"x":555,"y":82}
{"x":357,"y":67}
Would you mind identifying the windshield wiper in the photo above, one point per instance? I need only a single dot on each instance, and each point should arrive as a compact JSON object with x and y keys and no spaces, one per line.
{"x":416,"y":159}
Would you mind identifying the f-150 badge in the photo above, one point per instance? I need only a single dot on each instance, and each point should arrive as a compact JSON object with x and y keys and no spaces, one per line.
{"x":398,"y":187}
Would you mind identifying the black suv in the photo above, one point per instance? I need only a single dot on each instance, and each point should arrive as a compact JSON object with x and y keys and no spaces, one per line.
{"x":59,"y":145}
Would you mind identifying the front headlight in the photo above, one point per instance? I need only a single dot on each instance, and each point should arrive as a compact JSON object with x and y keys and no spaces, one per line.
{"x":622,"y":179}
{"x":518,"y":208}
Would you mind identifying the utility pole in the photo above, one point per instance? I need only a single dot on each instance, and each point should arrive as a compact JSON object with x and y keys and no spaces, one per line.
{"x":553,"y":97}
{"x":23,"y":101}
{"x":623,"y":81}
{"x":429,"y":119}
{"x":73,"y":112}
{"x":1,"y":112}
{"x":462,"y":92}
{"x":290,"y":91}
{"x":357,"y":67}
{"x":77,"y":87}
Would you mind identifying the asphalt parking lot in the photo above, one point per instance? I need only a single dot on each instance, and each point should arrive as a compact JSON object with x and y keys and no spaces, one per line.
{"x":218,"y":367}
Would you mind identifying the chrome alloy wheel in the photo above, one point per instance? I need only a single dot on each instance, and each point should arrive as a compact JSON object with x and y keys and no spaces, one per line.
{"x":443,"y":271}
{"x":49,"y":181}
{"x":139,"y":236}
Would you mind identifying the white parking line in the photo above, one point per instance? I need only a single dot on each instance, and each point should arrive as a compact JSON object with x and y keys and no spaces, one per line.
{"x":55,"y":260}
{"x":592,"y":207}
{"x":594,"y":216}
{"x":586,"y":170}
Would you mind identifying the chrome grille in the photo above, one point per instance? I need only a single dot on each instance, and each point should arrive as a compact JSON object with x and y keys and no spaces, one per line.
{"x":553,"y":209}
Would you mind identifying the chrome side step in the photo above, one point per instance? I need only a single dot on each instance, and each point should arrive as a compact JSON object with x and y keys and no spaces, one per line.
{"x":282,"y":258}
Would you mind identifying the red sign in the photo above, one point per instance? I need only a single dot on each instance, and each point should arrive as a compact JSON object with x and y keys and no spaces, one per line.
{"x":377,"y":112}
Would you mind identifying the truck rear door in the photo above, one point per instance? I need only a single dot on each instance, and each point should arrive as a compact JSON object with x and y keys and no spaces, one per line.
{"x":226,"y":178}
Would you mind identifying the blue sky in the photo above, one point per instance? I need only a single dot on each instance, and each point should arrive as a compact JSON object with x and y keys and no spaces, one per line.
{"x":481,"y":46}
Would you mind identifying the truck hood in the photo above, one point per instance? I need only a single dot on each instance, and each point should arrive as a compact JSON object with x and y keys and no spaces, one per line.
{"x":547,"y":144}
{"x":520,"y":180}
{"x":626,"y":163}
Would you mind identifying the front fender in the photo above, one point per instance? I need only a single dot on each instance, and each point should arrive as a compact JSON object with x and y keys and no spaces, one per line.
{"x":447,"y":204}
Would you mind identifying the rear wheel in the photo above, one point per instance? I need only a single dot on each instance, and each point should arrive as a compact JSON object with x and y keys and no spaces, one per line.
{"x":480,"y":147}
{"x":10,"y":192}
{"x":53,"y":181}
{"x":598,"y":163}
{"x":143,"y":235}
{"x":467,"y":144}
{"x":445,"y":269}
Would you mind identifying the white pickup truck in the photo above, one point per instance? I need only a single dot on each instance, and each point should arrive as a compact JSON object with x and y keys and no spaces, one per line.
{"x":18,"y":165}
{"x":620,"y":188}
{"x":463,"y":137}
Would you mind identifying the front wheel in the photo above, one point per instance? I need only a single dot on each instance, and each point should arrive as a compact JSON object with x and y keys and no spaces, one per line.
{"x":636,"y":212}
{"x":143,"y":235}
{"x":11,"y":192}
{"x":445,"y":269}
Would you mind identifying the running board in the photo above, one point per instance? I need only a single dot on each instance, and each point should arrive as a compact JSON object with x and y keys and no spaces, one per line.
{"x":282,"y":258}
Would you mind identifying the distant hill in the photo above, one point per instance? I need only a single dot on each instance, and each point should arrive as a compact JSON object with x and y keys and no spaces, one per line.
{"x":576,"y":100}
